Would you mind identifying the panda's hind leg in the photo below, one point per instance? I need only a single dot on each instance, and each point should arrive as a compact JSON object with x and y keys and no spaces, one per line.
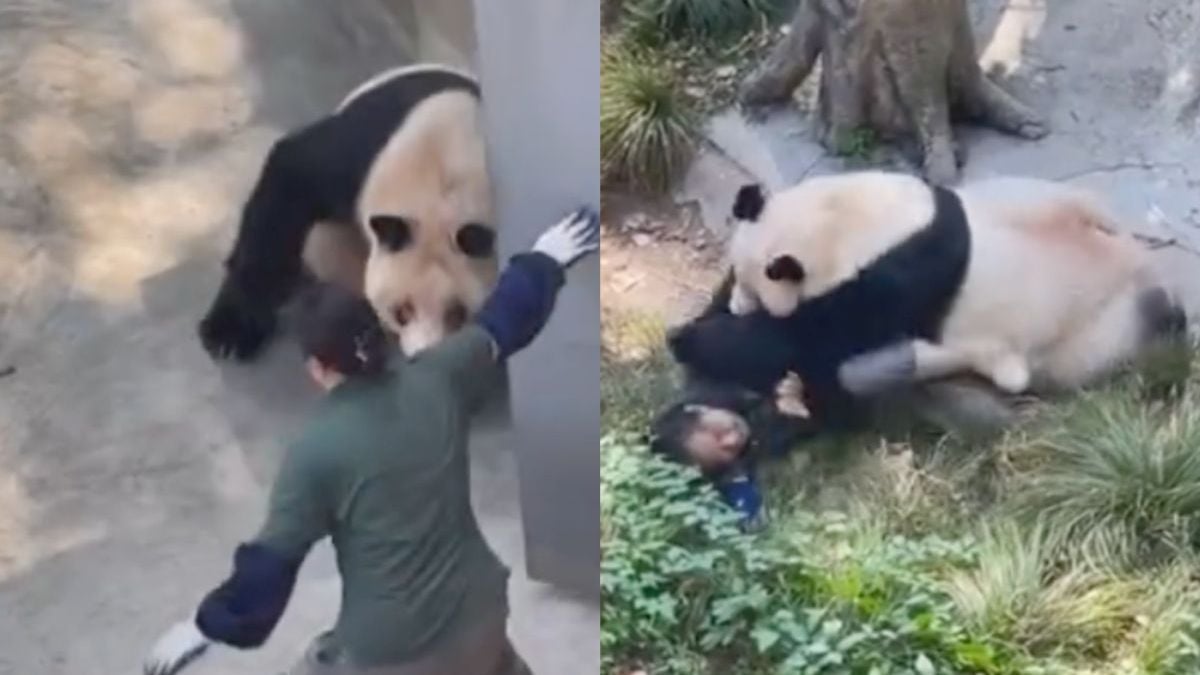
{"x":907,"y":363}
{"x":991,"y":359}
{"x":1111,"y":338}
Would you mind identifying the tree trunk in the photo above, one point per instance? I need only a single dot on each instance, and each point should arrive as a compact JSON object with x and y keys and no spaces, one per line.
{"x":901,"y":68}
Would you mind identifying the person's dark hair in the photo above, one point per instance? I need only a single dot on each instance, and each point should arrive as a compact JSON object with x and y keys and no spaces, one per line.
{"x":341,"y":330}
{"x":670,"y":430}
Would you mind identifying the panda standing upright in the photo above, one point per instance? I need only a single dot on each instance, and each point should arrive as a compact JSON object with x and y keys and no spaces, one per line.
{"x":388,"y":194}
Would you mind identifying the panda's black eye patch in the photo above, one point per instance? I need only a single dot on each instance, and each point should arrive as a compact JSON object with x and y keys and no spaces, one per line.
{"x":785,"y":268}
{"x":393,"y":232}
{"x":475,"y":240}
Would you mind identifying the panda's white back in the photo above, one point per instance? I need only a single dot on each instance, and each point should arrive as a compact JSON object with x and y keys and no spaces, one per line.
{"x":1047,"y":259}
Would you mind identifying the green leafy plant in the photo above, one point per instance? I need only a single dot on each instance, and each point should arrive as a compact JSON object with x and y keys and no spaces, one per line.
{"x":823,"y":595}
{"x":648,"y":127}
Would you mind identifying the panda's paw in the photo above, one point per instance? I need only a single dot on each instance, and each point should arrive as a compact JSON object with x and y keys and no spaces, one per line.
{"x":1011,"y":375}
{"x":231,"y":330}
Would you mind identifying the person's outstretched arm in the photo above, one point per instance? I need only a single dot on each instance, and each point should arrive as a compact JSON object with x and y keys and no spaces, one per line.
{"x":521,"y":304}
{"x":518,"y":307}
{"x":243,"y":611}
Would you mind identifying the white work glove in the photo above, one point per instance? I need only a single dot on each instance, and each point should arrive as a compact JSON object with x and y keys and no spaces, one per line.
{"x":571,"y":238}
{"x":178,"y":647}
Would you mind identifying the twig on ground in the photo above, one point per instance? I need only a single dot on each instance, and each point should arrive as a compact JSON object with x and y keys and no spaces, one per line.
{"x":1156,"y":243}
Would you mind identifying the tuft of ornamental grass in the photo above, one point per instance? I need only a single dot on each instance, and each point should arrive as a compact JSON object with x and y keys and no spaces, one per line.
{"x":648,"y":128}
{"x":1111,"y":461}
{"x":1168,"y":636}
{"x":637,"y":375}
{"x":1020,"y":591}
{"x":657,"y":21}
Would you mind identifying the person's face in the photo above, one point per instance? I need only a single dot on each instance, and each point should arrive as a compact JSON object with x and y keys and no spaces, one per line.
{"x":718,"y":437}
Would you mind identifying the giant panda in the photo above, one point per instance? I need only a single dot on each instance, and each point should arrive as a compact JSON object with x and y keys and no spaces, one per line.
{"x":836,"y":342}
{"x":1054,"y":296}
{"x":388,"y":194}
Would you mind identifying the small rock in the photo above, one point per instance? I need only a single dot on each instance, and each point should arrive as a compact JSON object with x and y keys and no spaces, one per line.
{"x":637,"y":222}
{"x":8,"y":370}
{"x":694,"y":91}
{"x":642,"y":239}
{"x":726,"y":71}
{"x":1069,"y":27}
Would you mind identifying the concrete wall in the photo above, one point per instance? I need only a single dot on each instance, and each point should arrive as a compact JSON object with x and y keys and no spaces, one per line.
{"x":540,"y":69}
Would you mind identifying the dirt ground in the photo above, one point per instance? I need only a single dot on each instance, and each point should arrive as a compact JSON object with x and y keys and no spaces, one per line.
{"x":656,"y":262}
{"x":130,"y":464}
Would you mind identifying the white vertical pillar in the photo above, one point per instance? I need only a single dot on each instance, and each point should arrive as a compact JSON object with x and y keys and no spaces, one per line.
{"x":539,"y":63}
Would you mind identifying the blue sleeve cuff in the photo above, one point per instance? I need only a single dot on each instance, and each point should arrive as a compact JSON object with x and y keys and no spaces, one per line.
{"x":243,"y":611}
{"x":520,"y":305}
{"x":741,"y":492}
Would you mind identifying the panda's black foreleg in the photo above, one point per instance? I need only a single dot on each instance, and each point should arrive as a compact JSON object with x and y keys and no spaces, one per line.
{"x":266,"y":264}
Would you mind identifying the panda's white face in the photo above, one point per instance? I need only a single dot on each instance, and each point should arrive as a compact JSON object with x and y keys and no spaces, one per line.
{"x":426,"y":208}
{"x":424,"y":283}
{"x":812,"y":236}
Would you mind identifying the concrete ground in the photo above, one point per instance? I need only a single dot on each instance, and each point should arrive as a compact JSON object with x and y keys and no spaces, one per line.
{"x":130,"y":464}
{"x":1118,"y":81}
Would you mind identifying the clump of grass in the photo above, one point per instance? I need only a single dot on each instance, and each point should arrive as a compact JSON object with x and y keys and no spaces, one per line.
{"x":857,"y":144}
{"x":1110,"y":461}
{"x":636,"y":371}
{"x":648,"y":127}
{"x":1168,"y":635}
{"x":1022,"y":593}
{"x":654,"y":21}
{"x":917,"y":491}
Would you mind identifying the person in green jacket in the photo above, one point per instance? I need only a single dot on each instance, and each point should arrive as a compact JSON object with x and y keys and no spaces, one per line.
{"x":382,"y":468}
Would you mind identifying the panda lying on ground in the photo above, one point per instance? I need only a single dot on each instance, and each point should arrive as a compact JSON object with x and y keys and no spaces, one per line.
{"x":1055,"y":297}
{"x":872,"y":316}
{"x":393,"y":188}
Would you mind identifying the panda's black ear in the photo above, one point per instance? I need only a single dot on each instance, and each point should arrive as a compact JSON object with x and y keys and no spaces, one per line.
{"x":748,"y":204}
{"x":393,"y":232}
{"x":785,"y":268}
{"x":475,"y":240}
